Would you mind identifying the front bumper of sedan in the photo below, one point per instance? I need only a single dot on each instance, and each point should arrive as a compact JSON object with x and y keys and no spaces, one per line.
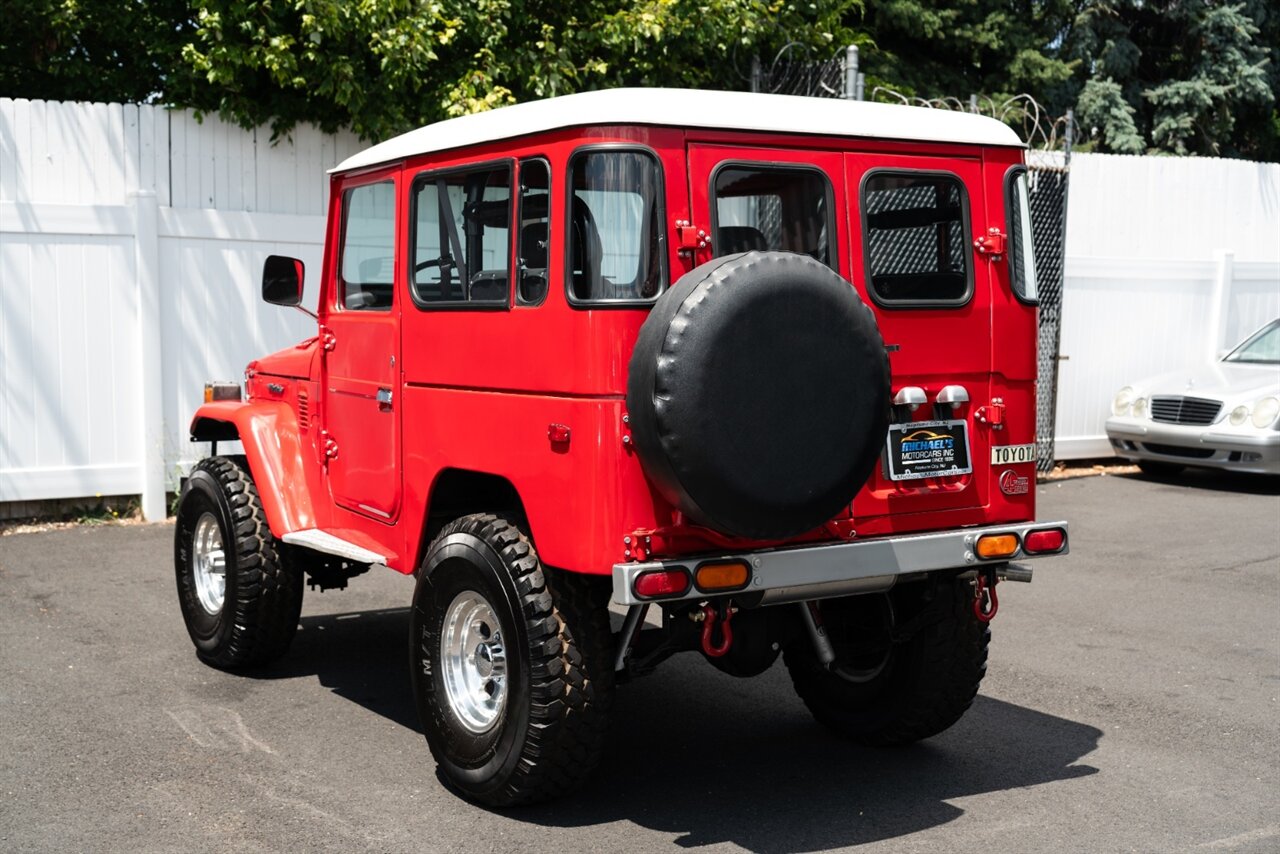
{"x":1214,"y":446}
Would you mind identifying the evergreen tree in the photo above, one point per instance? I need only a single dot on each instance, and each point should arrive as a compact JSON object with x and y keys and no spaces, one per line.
{"x":1179,"y":76}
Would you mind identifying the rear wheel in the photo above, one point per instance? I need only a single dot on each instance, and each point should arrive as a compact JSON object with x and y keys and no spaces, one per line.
{"x":908,"y":664}
{"x":240,"y":597}
{"x":511,"y":665}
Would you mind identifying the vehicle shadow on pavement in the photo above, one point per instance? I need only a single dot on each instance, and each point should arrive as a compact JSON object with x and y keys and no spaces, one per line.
{"x":1210,"y":480}
{"x":361,"y":656}
{"x":771,"y":780}
{"x":714,"y":759}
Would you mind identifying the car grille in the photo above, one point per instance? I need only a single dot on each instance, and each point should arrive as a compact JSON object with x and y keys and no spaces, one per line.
{"x":1185,"y":410}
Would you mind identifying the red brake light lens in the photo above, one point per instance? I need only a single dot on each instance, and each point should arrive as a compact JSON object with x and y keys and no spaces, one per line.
{"x":662,"y":582}
{"x":1040,"y":542}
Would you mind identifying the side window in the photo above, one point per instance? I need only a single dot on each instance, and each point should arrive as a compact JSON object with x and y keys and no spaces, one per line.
{"x":915,"y":228}
{"x":1022,"y":256}
{"x":461,"y":247}
{"x":615,"y":242}
{"x":535,"y":231}
{"x":776,"y":208}
{"x":368,"y":247}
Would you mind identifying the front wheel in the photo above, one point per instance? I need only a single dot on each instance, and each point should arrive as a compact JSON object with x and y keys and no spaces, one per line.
{"x":240,"y":597}
{"x":511,"y":665}
{"x":908,"y":663}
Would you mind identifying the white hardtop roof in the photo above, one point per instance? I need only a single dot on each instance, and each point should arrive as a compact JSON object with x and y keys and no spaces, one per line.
{"x":693,"y":108}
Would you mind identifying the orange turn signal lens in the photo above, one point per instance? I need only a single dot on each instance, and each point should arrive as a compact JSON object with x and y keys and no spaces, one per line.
{"x":725,"y":575}
{"x":997,"y":545}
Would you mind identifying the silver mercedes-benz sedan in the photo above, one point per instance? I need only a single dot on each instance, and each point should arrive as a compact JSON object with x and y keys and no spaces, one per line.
{"x":1225,"y":414}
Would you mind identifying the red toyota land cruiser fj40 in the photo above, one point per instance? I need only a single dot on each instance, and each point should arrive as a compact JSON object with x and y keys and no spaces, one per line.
{"x":766,"y":364}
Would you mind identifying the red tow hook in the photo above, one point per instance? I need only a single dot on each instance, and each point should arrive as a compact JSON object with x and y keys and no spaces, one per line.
{"x":985,"y":601}
{"x":709,"y":617}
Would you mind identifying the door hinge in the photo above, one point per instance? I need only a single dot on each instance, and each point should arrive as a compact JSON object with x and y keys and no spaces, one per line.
{"x":991,"y":243}
{"x":992,"y":415}
{"x":690,"y":238}
{"x":329,"y":444}
{"x":327,"y":339}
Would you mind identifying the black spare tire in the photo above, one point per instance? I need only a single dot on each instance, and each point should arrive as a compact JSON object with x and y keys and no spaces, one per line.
{"x":758,"y":394}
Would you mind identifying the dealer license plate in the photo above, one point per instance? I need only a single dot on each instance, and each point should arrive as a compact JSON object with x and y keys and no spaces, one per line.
{"x":922,"y":449}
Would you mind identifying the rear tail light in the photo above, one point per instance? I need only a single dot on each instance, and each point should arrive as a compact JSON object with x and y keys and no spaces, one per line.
{"x":997,"y":545}
{"x":662,"y":583}
{"x":1043,"y":542}
{"x":722,"y":575}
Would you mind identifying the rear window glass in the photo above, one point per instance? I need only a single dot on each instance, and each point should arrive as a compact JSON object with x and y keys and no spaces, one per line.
{"x":914,"y":225}
{"x":615,"y":242}
{"x":368,"y":246}
{"x":462,"y":237}
{"x":1022,"y":256}
{"x":535,"y":231}
{"x":772,"y":208}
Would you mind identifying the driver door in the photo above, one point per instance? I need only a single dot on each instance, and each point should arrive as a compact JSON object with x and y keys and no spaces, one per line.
{"x":362,"y":347}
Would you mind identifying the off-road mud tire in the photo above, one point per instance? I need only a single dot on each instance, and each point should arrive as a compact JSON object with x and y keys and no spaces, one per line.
{"x":930,"y":679}
{"x":263,"y":596}
{"x":551,"y":732}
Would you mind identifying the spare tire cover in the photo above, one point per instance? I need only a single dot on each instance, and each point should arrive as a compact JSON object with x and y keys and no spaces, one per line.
{"x":758,"y":394}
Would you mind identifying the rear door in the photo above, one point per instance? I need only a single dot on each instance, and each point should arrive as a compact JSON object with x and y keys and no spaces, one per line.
{"x":913,"y":221}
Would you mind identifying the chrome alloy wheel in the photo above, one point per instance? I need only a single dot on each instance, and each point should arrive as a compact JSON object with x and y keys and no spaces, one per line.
{"x":209,"y":564}
{"x":473,"y":662}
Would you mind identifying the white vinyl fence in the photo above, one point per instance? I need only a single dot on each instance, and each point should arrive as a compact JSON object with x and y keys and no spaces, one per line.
{"x":1169,"y":260}
{"x":131,"y":240}
{"x":131,"y":243}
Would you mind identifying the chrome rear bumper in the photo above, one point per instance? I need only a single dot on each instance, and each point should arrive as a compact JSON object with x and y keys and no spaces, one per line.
{"x":837,"y":569}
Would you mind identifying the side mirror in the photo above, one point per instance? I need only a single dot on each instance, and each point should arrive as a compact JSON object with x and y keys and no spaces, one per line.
{"x":282,"y":280}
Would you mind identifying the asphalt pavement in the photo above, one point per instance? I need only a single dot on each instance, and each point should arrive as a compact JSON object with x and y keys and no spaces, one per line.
{"x":1130,"y":705}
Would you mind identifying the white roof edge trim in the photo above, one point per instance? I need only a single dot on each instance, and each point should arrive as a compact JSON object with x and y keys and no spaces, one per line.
{"x":694,"y":108}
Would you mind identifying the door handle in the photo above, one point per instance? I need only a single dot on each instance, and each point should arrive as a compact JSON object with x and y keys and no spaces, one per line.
{"x":384,"y":398}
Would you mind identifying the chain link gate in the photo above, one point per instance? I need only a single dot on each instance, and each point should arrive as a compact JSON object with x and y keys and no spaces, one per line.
{"x":794,"y":72}
{"x":1047,"y":192}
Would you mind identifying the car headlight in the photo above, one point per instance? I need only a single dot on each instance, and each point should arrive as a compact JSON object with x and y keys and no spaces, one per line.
{"x":1122,"y":402}
{"x":1140,"y":408}
{"x":1265,"y":411}
{"x":1239,"y":415}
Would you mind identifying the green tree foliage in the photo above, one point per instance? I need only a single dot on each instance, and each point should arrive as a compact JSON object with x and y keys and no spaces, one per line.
{"x":1179,"y":76}
{"x":955,"y":48}
{"x":381,"y":66}
{"x":90,"y":50}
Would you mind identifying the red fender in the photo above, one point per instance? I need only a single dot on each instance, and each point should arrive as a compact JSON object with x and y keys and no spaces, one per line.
{"x":268,"y":430}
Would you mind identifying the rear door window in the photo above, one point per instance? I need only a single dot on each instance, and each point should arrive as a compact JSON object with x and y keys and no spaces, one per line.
{"x":915,"y":226}
{"x":767,"y":207}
